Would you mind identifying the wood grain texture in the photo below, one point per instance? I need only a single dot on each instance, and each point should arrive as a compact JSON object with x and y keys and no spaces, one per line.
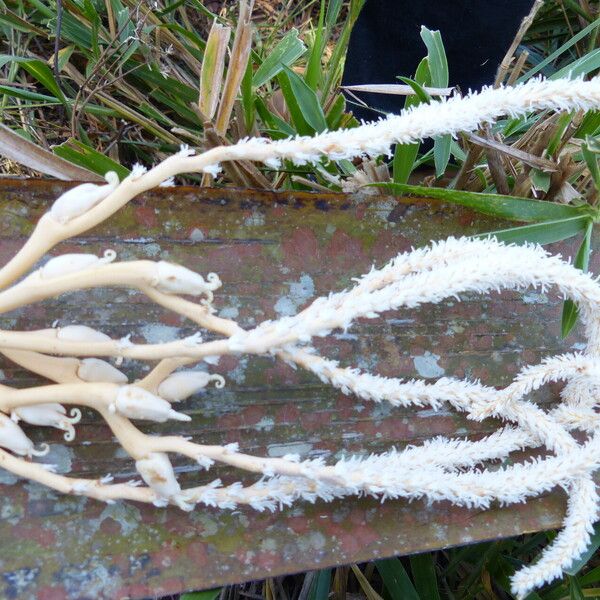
{"x":274,"y":254}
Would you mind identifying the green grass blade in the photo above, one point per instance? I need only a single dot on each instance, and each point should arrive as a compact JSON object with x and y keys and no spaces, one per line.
{"x":396,"y":580}
{"x":404,"y":160}
{"x":547,"y":232}
{"x":495,"y":205}
{"x":441,"y":153}
{"x":438,"y":67}
{"x":422,"y":567}
{"x":39,"y":70}
{"x":284,"y":54}
{"x":582,"y":66}
{"x":320,"y":587}
{"x":333,"y":12}
{"x":302,"y":102}
{"x":81,"y":154}
{"x":552,"y":57}
{"x":312,"y":73}
{"x":418,"y":89}
{"x":438,"y":63}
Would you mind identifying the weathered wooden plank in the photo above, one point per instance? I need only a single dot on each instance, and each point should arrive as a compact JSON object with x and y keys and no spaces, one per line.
{"x":274,"y":253}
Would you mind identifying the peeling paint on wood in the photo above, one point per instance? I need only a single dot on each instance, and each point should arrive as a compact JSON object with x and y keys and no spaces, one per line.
{"x":274,"y":253}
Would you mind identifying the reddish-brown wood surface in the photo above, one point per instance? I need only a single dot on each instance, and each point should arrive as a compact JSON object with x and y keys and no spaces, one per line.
{"x":274,"y":253}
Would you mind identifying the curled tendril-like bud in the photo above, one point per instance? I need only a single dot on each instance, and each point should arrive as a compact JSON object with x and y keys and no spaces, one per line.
{"x":71,"y":263}
{"x":156,"y":470}
{"x":175,"y":279}
{"x":180,"y":386}
{"x":13,"y":438}
{"x":49,"y":415}
{"x":136,"y":403}
{"x":77,"y":201}
{"x":81,"y":333}
{"x":97,"y":370}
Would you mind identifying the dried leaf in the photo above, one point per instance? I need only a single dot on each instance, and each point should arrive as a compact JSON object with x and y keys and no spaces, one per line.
{"x":24,"y":152}
{"x":213,"y":65}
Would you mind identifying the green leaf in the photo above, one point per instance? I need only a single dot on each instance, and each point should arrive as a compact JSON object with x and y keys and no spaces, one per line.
{"x":302,"y":103}
{"x":418,"y":89}
{"x":25,"y":94}
{"x":547,"y":232}
{"x":320,"y":586}
{"x":438,"y":67}
{"x":272,"y":121}
{"x":405,"y":155}
{"x":438,"y":63}
{"x":541,"y":180}
{"x":590,"y":124}
{"x":312,"y":73}
{"x":591,"y":158}
{"x":404,"y":160}
{"x":396,"y":580}
{"x":333,"y":12}
{"x":39,"y":70}
{"x":441,"y":153}
{"x":552,"y":57}
{"x":285,"y":53}
{"x":204,"y":595}
{"x":495,"y":205}
{"x":83,"y":155}
{"x":424,"y":575}
{"x":582,"y":261}
{"x":336,"y":110}
{"x":248,"y":96}
{"x":582,"y":66}
{"x":575,"y":591}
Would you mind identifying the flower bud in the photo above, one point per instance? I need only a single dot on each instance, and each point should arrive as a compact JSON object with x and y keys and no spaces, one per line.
{"x":49,"y":415}
{"x":71,"y":263}
{"x":96,"y":370}
{"x":175,"y":279}
{"x":156,"y":470}
{"x":81,"y":333}
{"x":14,"y":439}
{"x":136,"y":403}
{"x":180,"y":386}
{"x":80,"y":199}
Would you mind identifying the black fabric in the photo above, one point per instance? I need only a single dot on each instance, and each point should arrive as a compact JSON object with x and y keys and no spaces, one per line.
{"x":386,"y":42}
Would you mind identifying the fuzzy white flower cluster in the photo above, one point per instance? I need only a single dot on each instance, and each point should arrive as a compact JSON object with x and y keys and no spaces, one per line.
{"x":440,"y":469}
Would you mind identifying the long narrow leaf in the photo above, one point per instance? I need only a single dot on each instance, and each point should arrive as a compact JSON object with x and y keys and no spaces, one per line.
{"x":285,"y":53}
{"x":213,"y":66}
{"x":547,"y":232}
{"x":26,"y":153}
{"x":495,"y":205}
{"x":396,"y":580}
